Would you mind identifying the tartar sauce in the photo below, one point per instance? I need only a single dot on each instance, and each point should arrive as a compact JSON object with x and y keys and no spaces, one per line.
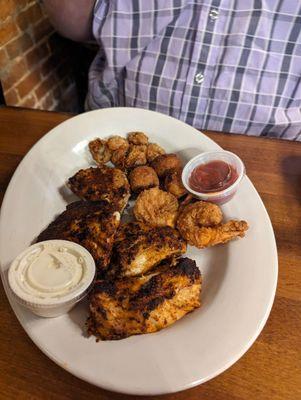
{"x":51,"y":271}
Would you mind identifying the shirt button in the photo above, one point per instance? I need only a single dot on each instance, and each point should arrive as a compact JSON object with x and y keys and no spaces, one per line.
{"x":199,"y":77}
{"x":213,"y":14}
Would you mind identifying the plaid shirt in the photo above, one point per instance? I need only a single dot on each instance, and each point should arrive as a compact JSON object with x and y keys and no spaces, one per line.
{"x":225,"y":65}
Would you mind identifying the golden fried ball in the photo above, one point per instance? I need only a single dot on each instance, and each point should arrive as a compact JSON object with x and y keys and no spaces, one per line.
{"x":173,"y":184}
{"x":156,"y":208}
{"x":142,"y":178}
{"x":100,"y":151}
{"x":153,"y":151}
{"x":118,"y":157}
{"x":166,"y":163}
{"x":138,"y":138}
{"x":136,"y":156}
{"x":116,"y":142}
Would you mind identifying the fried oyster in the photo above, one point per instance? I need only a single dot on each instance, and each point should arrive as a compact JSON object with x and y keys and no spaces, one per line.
{"x":123,"y":307}
{"x":107,"y":184}
{"x":156,"y":208}
{"x":100,"y":151}
{"x":91,"y":224}
{"x":138,"y":248}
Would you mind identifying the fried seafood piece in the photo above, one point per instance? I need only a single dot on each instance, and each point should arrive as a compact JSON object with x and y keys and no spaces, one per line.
{"x":131,"y":306}
{"x":210,"y":236}
{"x":156,"y":208}
{"x":200,"y":224}
{"x":139,"y":247}
{"x":117,"y":142}
{"x":118,"y":157}
{"x":166,"y":163}
{"x":143,"y":177}
{"x":91,"y":224}
{"x":108,"y":184}
{"x":153,"y":150}
{"x":136,"y":156}
{"x":200,"y":213}
{"x":100,"y":151}
{"x":138,"y":138}
{"x":173,"y":184}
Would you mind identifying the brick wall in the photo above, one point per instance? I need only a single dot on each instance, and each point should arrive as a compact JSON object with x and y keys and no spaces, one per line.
{"x":36,"y":64}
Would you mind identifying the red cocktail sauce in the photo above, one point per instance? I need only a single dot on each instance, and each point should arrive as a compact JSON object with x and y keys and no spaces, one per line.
{"x":214,"y":176}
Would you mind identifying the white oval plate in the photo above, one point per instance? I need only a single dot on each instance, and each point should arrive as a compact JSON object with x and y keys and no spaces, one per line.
{"x":239,"y":278}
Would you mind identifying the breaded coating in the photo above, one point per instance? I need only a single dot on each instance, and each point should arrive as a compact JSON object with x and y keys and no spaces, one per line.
{"x":203,"y":236}
{"x":173,"y":184}
{"x":136,"y":156}
{"x":100,"y":151}
{"x":153,"y":150}
{"x":166,"y":163}
{"x":117,"y":142}
{"x":142,"y":178}
{"x":91,"y":224}
{"x":156,"y":208}
{"x":138,"y":138}
{"x":200,"y":213}
{"x":108,"y":184}
{"x":118,"y":157}
{"x":138,"y":248}
{"x":131,"y":306}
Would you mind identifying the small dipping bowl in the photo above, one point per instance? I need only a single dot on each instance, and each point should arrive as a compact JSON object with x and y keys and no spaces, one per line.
{"x":50,"y":277}
{"x":224,"y":195}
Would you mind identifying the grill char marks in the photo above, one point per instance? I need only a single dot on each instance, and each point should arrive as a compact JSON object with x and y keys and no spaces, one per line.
{"x":128,"y":306}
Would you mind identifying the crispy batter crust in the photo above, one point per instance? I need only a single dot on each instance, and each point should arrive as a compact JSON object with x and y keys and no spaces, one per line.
{"x":156,"y":208}
{"x":143,"y":177}
{"x":100,"y":151}
{"x":173,"y":184}
{"x":165,"y":164}
{"x":130,"y":306}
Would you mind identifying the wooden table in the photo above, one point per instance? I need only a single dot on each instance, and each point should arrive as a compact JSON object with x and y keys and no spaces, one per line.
{"x":271,"y":369}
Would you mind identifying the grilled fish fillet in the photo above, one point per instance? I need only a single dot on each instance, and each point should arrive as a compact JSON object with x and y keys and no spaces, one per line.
{"x":130,"y":306}
{"x":91,"y":224}
{"x":103,"y":183}
{"x":139,"y":247}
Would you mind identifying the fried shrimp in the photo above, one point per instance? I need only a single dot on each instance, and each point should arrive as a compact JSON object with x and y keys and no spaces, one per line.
{"x":142,"y":178}
{"x":153,"y":150}
{"x":100,"y":151}
{"x":201,"y":225}
{"x":138,"y":138}
{"x":156,"y":208}
{"x":173,"y":184}
{"x":117,"y":142}
{"x":166,"y":163}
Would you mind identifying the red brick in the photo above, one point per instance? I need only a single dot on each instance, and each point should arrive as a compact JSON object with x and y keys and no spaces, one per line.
{"x":46,"y":86}
{"x":28,"y":83}
{"x":7,"y":9}
{"x":29,"y":17}
{"x":17,"y":71}
{"x":46,"y":103}
{"x":19,"y":45}
{"x":42,"y":29}
{"x":29,"y":102}
{"x":11,"y":97}
{"x":3,"y":59}
{"x":8,"y":31}
{"x":50,"y":64}
{"x":37,"y":54}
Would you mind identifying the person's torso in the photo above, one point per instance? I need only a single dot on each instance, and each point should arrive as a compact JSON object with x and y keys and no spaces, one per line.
{"x":226,"y":65}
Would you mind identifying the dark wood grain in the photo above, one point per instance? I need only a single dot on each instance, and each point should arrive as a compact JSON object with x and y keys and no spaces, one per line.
{"x":271,"y":369}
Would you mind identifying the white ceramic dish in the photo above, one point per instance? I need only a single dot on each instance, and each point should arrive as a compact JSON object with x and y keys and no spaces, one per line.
{"x":239,"y":278}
